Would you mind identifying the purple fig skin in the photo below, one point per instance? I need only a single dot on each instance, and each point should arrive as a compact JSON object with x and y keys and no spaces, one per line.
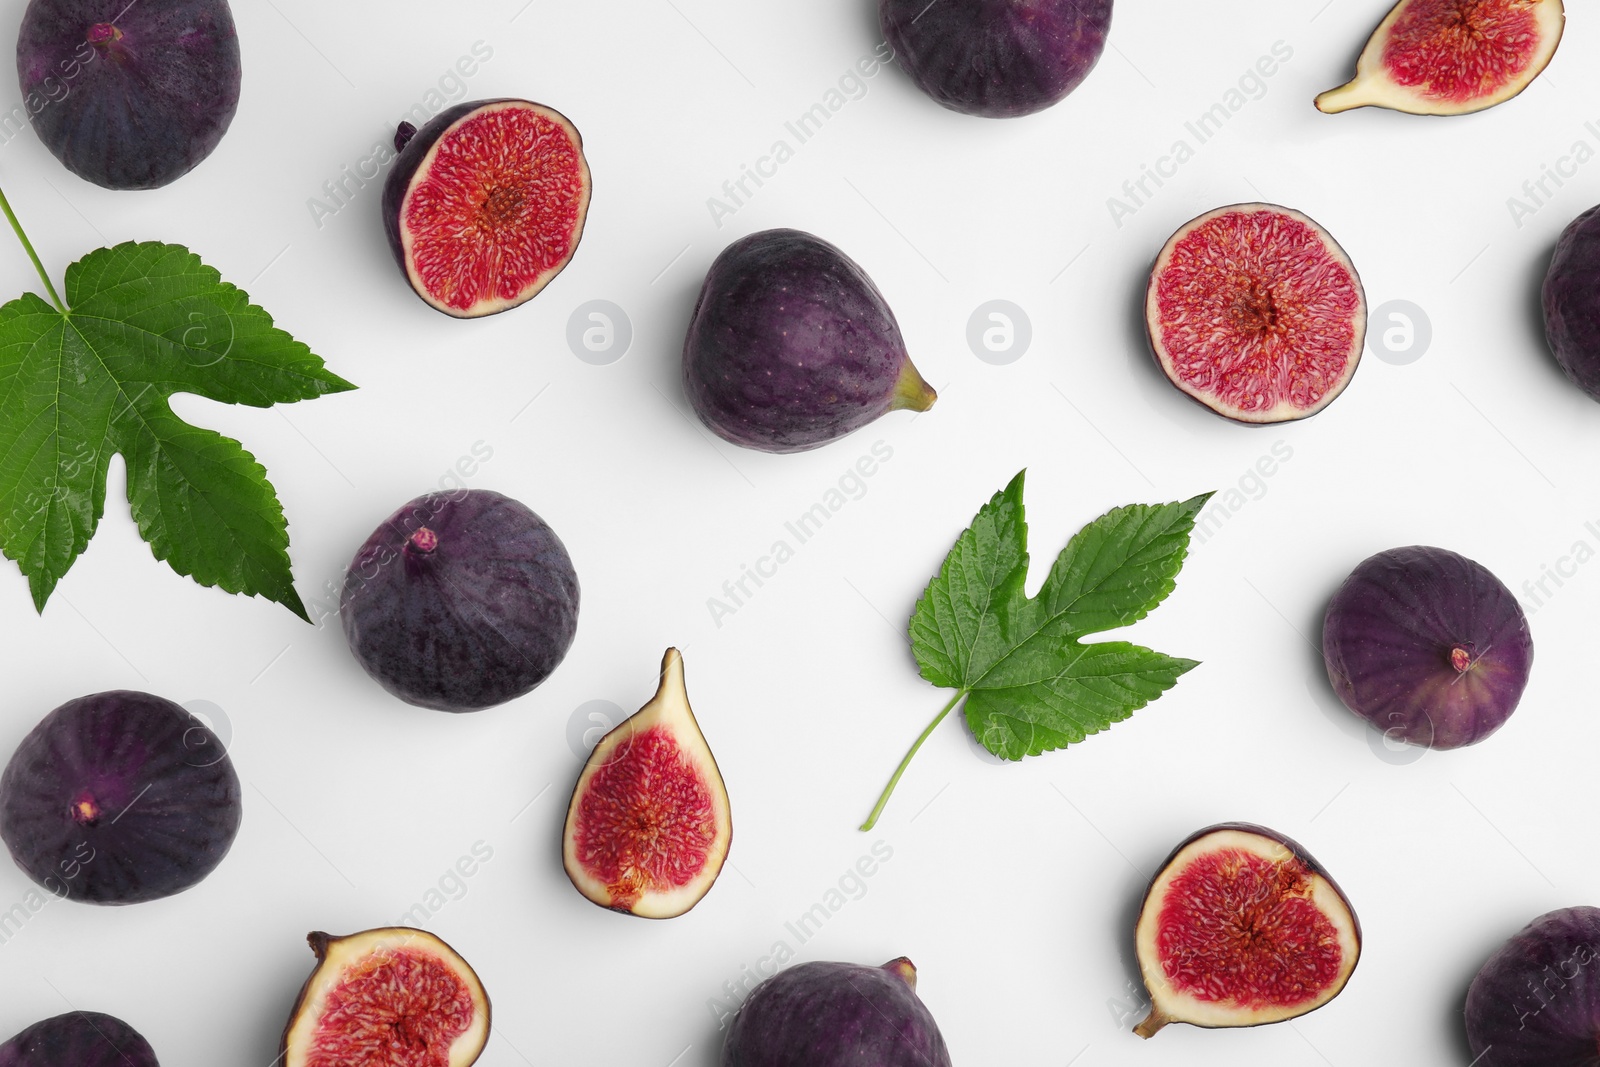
{"x":1536,"y":1003}
{"x":135,"y":103}
{"x":997,"y":58}
{"x":78,"y":1039}
{"x":1571,"y":299}
{"x":119,"y":798}
{"x":1428,"y":646}
{"x":791,"y":346}
{"x":836,"y":1015}
{"x":460,"y":601}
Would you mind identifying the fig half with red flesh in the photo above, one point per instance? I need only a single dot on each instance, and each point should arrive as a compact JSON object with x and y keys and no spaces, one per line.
{"x":1451,"y":57}
{"x":1254,"y":311}
{"x":649,"y":824}
{"x":486,"y":204}
{"x":1242,"y":927}
{"x":392,"y":997}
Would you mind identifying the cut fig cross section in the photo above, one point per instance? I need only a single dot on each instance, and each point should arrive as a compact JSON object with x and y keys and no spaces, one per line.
{"x":649,"y":825}
{"x":1255,"y":312}
{"x":1242,"y":927}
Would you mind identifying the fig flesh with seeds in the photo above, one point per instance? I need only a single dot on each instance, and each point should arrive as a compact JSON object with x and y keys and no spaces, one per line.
{"x":1256,"y":313}
{"x":1536,"y":1002}
{"x":1241,"y":927}
{"x":1428,"y":646}
{"x":78,"y":1039}
{"x":1451,"y":57}
{"x":119,"y":798}
{"x":649,"y":824}
{"x":486,"y":204}
{"x":1571,"y":298}
{"x":391,"y":997}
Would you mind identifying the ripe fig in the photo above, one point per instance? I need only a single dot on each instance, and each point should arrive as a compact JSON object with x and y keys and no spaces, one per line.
{"x":791,"y":346}
{"x":649,"y":825}
{"x":393,"y":997}
{"x":129,"y":96}
{"x":1536,"y":1003}
{"x":1256,"y":312}
{"x":1428,"y":646}
{"x":836,"y":1015}
{"x":997,"y":58}
{"x":119,"y":798}
{"x":1572,"y":302}
{"x":1451,"y":57}
{"x":78,"y":1039}
{"x":486,"y":204}
{"x":1242,"y":927}
{"x":460,"y":601}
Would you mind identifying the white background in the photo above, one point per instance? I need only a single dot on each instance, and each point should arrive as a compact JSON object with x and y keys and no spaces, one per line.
{"x":1014,"y":887}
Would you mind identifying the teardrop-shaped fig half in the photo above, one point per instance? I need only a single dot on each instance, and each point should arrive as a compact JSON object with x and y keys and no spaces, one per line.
{"x":1451,"y":57}
{"x":392,"y":997}
{"x":1242,"y":927}
{"x":1255,"y":312}
{"x":78,"y":1039}
{"x":486,"y":204}
{"x":649,"y":824}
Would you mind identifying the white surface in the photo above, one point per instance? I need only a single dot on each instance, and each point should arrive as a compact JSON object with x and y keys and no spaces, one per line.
{"x":1013,"y":888}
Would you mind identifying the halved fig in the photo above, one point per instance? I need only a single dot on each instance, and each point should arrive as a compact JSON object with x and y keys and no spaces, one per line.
{"x":649,"y":824}
{"x":392,"y":997}
{"x":1451,"y":57}
{"x":486,"y":204}
{"x":1242,"y":927}
{"x":1255,"y":312}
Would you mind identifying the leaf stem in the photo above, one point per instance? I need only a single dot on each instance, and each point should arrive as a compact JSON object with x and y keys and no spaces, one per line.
{"x":872,"y":820}
{"x":11,"y":216}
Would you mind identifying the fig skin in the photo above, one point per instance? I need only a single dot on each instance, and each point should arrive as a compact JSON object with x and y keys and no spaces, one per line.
{"x":791,"y":346}
{"x":78,"y":1039}
{"x":145,"y":102}
{"x":119,"y":798}
{"x":479,"y":616}
{"x":1428,"y":646}
{"x":997,"y":58}
{"x":1536,"y":1002}
{"x":836,"y":1015}
{"x":1571,"y":299}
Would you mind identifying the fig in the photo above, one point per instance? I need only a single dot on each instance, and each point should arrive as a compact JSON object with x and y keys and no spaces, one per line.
{"x":1255,"y":312}
{"x":1536,"y":1003}
{"x":791,"y":346}
{"x":1428,"y":646}
{"x":460,"y":601}
{"x":393,"y":997}
{"x":836,"y":1015}
{"x":129,"y":96}
{"x":649,"y":825}
{"x":1451,"y":57}
{"x":119,"y":798}
{"x":78,"y":1039}
{"x":1571,"y":300}
{"x":485,"y":204}
{"x":1241,"y":927}
{"x":997,"y":58}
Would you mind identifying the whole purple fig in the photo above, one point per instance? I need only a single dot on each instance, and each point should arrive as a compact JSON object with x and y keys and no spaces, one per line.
{"x":1536,"y":1003}
{"x":1571,"y":299}
{"x":78,"y":1039}
{"x":791,"y":346}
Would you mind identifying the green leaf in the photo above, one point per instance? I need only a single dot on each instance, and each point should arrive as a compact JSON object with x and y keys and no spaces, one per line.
{"x":145,"y":321}
{"x":1029,"y":683}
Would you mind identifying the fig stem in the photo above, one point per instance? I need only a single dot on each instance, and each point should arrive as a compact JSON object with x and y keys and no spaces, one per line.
{"x":888,"y":791}
{"x":11,"y":216}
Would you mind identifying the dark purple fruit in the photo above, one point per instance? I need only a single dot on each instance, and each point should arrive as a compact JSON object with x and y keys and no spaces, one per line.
{"x":119,"y":798}
{"x":1572,"y":302}
{"x":836,"y":1015}
{"x":1536,"y":1003}
{"x":78,"y":1039}
{"x":1428,"y":646}
{"x":460,"y":601}
{"x":129,"y":95}
{"x":791,"y":346}
{"x":996,"y":58}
